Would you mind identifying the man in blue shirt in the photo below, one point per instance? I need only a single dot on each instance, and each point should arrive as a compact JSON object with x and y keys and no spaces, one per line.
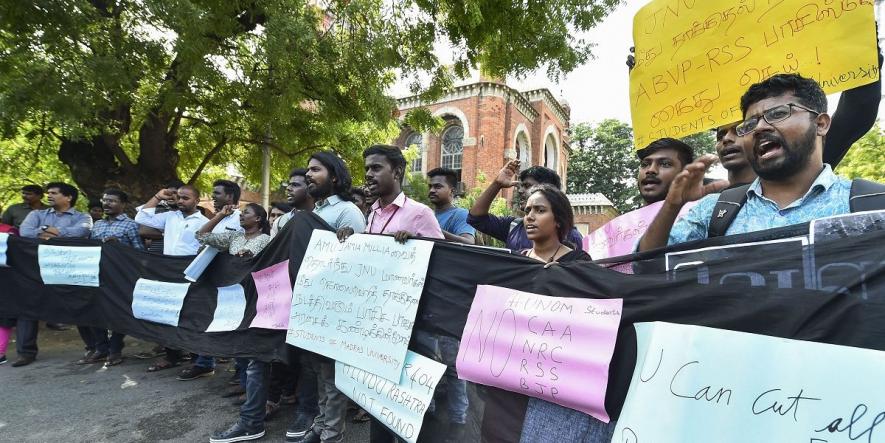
{"x":785,"y":118}
{"x":510,"y":229}
{"x":60,"y":220}
{"x":452,"y":220}
{"x":115,"y":226}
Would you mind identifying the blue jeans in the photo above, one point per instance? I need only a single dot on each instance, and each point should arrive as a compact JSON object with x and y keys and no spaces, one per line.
{"x":241,"y":363}
{"x":205,"y":362}
{"x":445,"y":350}
{"x":548,"y":422}
{"x":306,"y":392}
{"x":252,"y":411}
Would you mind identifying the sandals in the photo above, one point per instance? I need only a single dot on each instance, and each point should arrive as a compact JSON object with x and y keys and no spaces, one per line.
{"x":114,"y":360}
{"x":161,"y":365}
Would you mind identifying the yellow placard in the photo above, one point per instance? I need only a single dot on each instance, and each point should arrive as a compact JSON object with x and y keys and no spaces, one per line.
{"x":695,"y":58}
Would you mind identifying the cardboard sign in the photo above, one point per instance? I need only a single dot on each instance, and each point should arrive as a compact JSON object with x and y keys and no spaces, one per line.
{"x":694,"y":59}
{"x":554,"y":348}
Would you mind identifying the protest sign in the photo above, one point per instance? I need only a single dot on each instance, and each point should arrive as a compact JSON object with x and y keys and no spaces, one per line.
{"x":400,"y":406}
{"x":4,"y":239}
{"x":355,"y":301}
{"x":554,"y":348}
{"x":620,"y":235}
{"x":69,"y":265}
{"x":229,"y":309}
{"x":694,"y":383}
{"x":694,"y":59}
{"x":158,"y":301}
{"x":274,"y":297}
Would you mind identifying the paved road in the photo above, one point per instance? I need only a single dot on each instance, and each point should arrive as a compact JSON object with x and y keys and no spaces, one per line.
{"x":54,"y":400}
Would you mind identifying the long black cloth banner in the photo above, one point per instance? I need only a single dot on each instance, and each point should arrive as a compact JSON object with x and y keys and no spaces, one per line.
{"x":829,"y":292}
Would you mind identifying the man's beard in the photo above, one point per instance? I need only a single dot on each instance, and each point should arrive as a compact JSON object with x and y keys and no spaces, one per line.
{"x":795,"y":157}
{"x":320,"y":191}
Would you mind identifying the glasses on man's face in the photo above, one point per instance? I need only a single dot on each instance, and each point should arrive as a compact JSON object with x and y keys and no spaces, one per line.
{"x":771,"y":116}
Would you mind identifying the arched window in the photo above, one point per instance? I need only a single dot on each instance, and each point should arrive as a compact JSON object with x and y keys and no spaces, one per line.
{"x":550,"y":152}
{"x":417,"y":140}
{"x":452,"y":147}
{"x":522,"y":151}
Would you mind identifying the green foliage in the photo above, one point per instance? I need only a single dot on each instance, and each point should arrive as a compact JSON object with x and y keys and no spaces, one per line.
{"x":134,"y":94}
{"x":25,"y":161}
{"x":604,"y":161}
{"x":866,"y":158}
{"x":499,"y":205}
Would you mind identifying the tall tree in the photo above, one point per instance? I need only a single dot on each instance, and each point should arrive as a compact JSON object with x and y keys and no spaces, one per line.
{"x":604,"y":161}
{"x":130,"y":91}
{"x":866,"y":158}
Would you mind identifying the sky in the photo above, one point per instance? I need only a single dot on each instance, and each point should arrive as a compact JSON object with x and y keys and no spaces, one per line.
{"x":600,"y":88}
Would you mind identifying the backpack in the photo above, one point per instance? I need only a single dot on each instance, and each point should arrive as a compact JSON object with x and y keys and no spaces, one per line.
{"x":865,"y":196}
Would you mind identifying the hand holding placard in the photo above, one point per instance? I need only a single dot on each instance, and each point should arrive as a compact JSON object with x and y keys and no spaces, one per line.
{"x":694,"y":59}
{"x":356,"y":301}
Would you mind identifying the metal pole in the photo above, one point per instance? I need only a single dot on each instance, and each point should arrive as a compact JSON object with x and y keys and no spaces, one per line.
{"x":265,"y":173}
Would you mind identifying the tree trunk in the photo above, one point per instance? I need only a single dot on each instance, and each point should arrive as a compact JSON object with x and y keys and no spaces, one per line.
{"x":94,"y":167}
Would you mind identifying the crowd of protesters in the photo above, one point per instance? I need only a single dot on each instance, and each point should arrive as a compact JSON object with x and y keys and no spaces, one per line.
{"x":776,"y":159}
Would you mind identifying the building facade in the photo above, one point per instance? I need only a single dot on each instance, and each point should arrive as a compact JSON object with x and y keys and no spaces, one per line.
{"x":486,"y":124}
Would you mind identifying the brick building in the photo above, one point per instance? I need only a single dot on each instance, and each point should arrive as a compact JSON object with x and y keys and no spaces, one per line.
{"x":487,"y":122}
{"x":591,"y":211}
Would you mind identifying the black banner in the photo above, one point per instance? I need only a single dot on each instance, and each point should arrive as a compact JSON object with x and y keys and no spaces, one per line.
{"x":829,"y":292}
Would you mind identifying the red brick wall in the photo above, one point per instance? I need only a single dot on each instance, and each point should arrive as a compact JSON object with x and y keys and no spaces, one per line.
{"x":491,"y":125}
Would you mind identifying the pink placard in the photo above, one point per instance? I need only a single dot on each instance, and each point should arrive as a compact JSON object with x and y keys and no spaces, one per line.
{"x":554,"y":348}
{"x":619,"y":236}
{"x":274,"y":297}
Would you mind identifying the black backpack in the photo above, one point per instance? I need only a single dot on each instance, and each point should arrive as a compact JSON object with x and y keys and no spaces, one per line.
{"x":865,"y":196}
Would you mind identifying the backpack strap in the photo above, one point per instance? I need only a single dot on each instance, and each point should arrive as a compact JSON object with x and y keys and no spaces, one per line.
{"x":726,"y":209}
{"x":866,"y":195}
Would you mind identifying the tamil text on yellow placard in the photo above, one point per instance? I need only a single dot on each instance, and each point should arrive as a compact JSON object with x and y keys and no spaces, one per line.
{"x":695,"y":58}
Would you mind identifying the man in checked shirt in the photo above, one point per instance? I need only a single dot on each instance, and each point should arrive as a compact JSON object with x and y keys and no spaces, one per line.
{"x":114,"y":227}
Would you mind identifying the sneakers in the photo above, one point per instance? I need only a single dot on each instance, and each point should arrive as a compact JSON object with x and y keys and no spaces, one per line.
{"x":23,"y":361}
{"x":237,"y":432}
{"x":195,"y":372}
{"x":310,"y":436}
{"x":299,"y":427}
{"x":2,"y":359}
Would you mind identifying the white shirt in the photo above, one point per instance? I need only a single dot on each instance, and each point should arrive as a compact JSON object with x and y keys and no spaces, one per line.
{"x":231,"y":223}
{"x":178,"y":230}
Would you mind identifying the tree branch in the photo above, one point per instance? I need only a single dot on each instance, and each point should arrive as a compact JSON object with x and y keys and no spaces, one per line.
{"x":207,"y":158}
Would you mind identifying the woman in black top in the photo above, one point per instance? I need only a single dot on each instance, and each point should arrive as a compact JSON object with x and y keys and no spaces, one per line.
{"x":548,"y":220}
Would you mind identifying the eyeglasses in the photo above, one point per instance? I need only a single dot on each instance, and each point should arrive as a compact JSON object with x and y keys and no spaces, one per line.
{"x":771,"y":116}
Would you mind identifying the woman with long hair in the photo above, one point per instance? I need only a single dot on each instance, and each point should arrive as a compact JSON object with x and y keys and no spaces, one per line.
{"x":512,"y":417}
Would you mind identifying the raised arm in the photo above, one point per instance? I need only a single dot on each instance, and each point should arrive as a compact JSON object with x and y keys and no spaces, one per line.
{"x":214,"y":221}
{"x":505,"y":179}
{"x":686,"y":187}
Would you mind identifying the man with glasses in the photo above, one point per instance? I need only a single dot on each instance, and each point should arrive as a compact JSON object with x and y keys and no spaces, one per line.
{"x":785,"y":123}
